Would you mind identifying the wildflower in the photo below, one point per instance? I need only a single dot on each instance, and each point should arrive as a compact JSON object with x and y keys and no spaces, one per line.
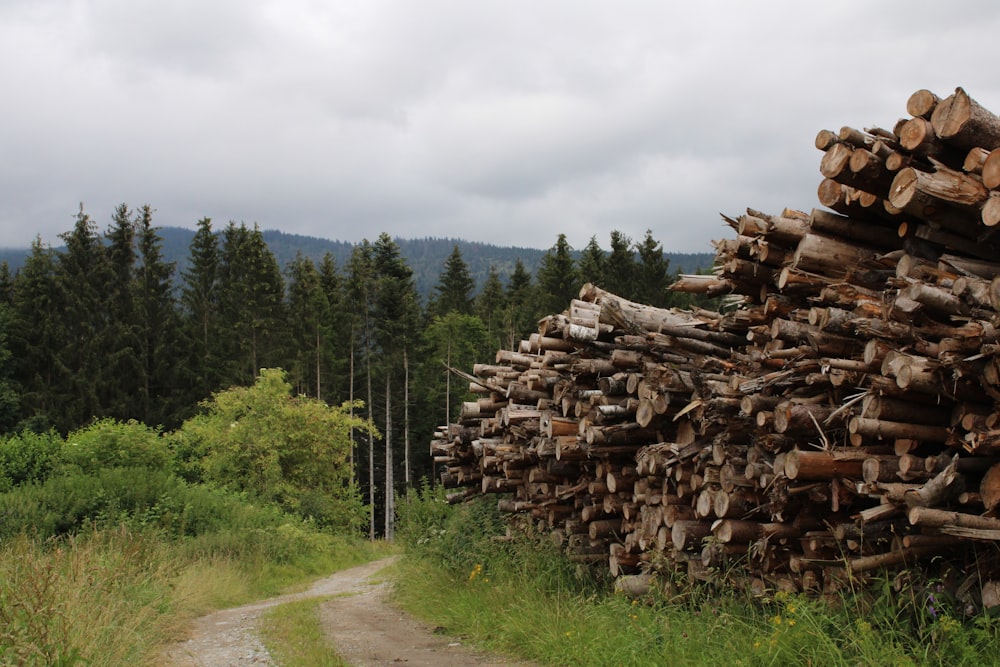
{"x":791,"y":622}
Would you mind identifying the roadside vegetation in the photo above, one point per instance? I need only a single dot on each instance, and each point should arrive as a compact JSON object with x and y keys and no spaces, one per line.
{"x":518,"y":595}
{"x":116,"y":536}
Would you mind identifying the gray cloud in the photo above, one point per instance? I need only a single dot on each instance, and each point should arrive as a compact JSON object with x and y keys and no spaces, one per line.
{"x":504,"y":122}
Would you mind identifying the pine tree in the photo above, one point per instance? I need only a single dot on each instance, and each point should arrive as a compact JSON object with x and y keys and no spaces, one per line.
{"x":336,"y":369}
{"x":593,"y":263}
{"x":83,"y":277}
{"x":519,"y":319}
{"x":396,"y":316}
{"x":122,"y":373}
{"x":453,"y":292}
{"x":620,"y":268}
{"x":200,"y":300}
{"x":489,"y":307}
{"x":361,"y":295}
{"x":653,"y":273}
{"x":558,"y":278}
{"x":309,"y":315}
{"x":9,"y":402}
{"x":161,"y":394}
{"x":37,"y":330}
{"x":251,"y":304}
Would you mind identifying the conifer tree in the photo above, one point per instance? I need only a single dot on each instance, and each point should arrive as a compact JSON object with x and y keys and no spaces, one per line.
{"x":122,"y":373}
{"x":453,"y":292}
{"x":653,"y":273}
{"x":519,"y":317}
{"x":361,"y":296}
{"x":161,"y":394}
{"x":558,"y":278}
{"x":396,"y":313}
{"x":83,"y":277}
{"x":251,"y":304}
{"x":593,"y":263}
{"x":489,"y":307}
{"x":37,"y":329}
{"x":309,"y":316}
{"x":620,"y":268}
{"x":337,"y":367}
{"x":201,"y":300}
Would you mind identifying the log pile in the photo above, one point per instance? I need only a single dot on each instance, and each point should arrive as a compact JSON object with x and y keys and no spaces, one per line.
{"x":840,"y":416}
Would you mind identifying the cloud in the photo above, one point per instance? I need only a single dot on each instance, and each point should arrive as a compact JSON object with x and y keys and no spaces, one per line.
{"x":504,"y":122}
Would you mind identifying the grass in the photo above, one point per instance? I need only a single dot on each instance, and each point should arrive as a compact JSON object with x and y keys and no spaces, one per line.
{"x":118,"y":597}
{"x":519,"y":596}
{"x":293,"y":635}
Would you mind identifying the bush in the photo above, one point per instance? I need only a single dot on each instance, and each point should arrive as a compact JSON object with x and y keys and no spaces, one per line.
{"x":108,"y":443}
{"x":28,"y":457}
{"x":473,"y":538}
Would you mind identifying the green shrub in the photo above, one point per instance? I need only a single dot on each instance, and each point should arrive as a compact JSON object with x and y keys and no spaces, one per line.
{"x":28,"y":457}
{"x":108,"y":443}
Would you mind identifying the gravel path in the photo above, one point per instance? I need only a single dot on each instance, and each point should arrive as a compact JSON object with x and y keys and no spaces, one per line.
{"x":365,"y":629}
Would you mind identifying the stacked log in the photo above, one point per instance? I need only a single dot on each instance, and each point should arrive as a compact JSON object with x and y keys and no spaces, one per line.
{"x":840,"y":416}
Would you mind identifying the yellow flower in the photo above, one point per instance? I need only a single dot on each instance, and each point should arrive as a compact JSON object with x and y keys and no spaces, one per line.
{"x":791,"y":622}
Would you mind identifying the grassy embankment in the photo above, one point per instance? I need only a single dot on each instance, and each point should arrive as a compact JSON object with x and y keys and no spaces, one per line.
{"x":520,"y":597}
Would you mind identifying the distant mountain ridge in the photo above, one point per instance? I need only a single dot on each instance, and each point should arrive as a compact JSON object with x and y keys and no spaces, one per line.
{"x":425,"y":256}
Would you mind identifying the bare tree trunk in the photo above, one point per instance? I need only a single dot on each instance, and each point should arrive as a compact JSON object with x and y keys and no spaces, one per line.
{"x":371,"y":440}
{"x":406,"y":418}
{"x":389,"y":497}
{"x":319,"y":395}
{"x":350,"y":399}
{"x":447,"y":387}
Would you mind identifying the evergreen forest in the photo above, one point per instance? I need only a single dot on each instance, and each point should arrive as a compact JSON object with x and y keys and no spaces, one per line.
{"x":105,"y":327}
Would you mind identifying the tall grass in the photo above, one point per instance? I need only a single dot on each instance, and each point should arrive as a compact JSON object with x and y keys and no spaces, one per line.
{"x":520,"y":596}
{"x":118,"y":596}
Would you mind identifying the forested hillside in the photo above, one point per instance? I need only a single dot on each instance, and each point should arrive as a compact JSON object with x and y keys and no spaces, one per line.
{"x":425,"y":256}
{"x":140,"y":323}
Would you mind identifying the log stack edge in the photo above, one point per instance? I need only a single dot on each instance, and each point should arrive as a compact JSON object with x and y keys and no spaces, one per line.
{"x":839,"y":417}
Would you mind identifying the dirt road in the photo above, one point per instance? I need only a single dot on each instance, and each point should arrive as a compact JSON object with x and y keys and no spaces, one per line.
{"x":365,"y":629}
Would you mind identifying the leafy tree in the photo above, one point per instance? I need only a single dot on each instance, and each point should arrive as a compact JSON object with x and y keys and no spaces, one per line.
{"x":291,"y":450}
{"x":455,"y":287}
{"x":593,"y":263}
{"x":558,"y":278}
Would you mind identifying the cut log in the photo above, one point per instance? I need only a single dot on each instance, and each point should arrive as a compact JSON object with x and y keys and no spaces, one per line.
{"x":963,"y":122}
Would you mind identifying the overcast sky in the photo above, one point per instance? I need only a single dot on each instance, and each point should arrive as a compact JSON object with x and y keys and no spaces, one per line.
{"x":505,"y":122}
